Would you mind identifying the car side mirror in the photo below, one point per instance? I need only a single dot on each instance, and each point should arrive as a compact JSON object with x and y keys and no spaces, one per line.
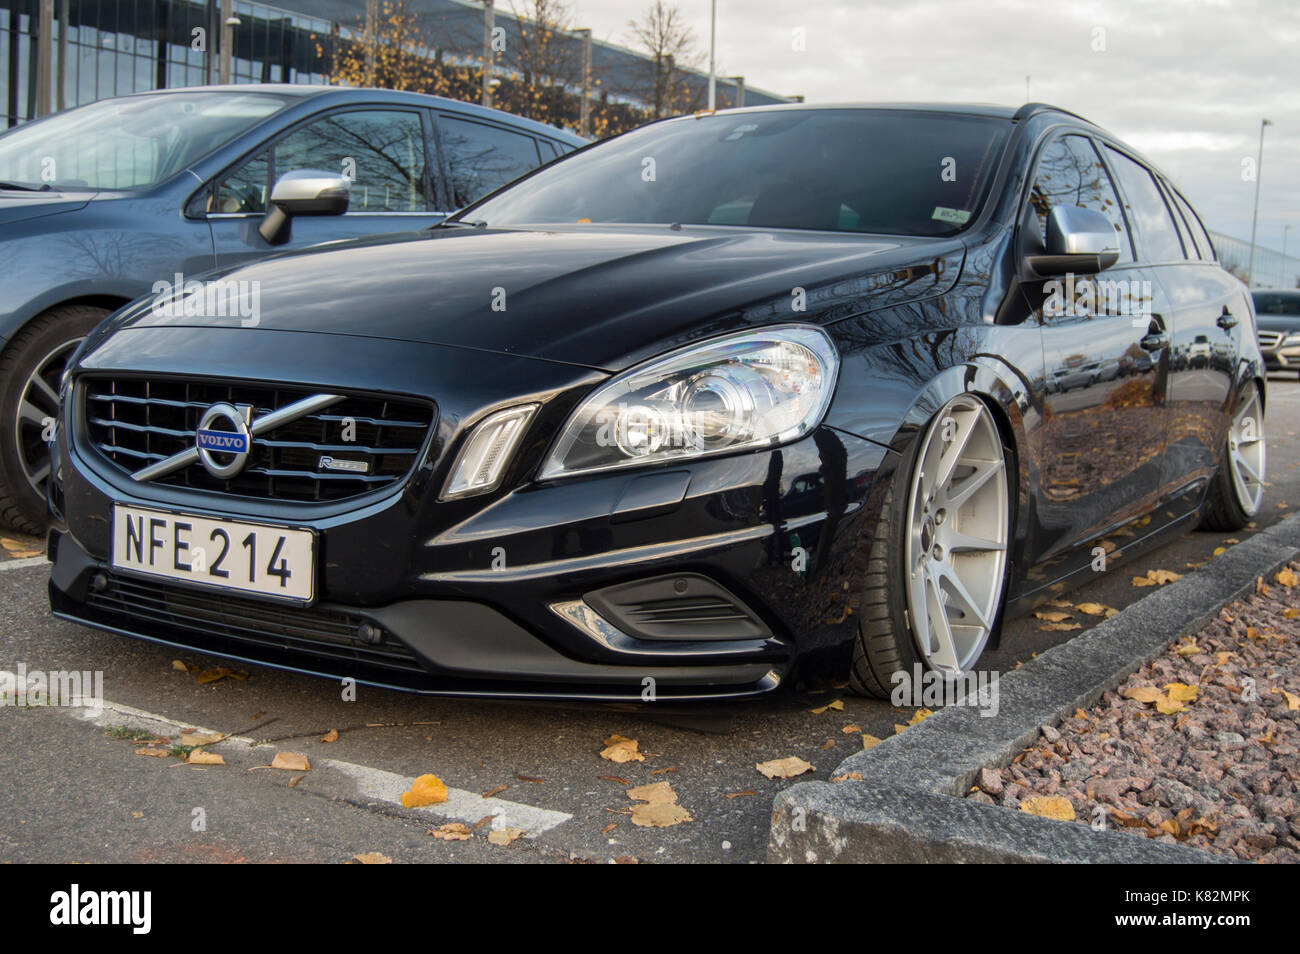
{"x":1078,"y":240}
{"x":303,"y":192}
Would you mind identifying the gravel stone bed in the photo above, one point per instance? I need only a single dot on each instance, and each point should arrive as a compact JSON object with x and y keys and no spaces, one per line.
{"x":1219,"y":772}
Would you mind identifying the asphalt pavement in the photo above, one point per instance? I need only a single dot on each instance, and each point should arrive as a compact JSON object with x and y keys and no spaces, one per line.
{"x":79,"y":792}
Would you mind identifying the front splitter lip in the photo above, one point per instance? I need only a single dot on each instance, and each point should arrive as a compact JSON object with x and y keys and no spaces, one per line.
{"x":420,"y":683}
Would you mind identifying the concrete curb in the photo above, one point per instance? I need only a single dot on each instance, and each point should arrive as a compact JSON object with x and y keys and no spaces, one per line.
{"x":908,"y":806}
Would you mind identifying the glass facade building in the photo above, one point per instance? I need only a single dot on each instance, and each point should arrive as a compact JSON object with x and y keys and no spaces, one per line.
{"x":102,"y":48}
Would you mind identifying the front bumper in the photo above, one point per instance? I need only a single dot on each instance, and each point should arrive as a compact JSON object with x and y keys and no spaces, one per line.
{"x":467,"y":599}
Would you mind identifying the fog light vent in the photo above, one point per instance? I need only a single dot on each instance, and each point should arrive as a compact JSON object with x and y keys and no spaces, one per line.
{"x":684,"y":606}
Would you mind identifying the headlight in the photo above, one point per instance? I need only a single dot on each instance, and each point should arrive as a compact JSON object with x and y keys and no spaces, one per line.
{"x":748,"y":390}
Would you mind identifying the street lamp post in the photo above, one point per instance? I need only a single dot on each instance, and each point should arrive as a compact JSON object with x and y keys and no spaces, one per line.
{"x":713,"y":66}
{"x":584,"y":119}
{"x":489,"y":18}
{"x":1285,"y":230}
{"x":1254,"y":222}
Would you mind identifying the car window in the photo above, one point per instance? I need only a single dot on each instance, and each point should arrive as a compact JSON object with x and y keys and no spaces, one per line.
{"x":1157,"y":236}
{"x":884,"y":171}
{"x":1277,"y":303}
{"x":131,"y":142}
{"x":482,"y":158}
{"x":549,"y":151}
{"x":1203,"y":244}
{"x":1070,"y":173}
{"x":1190,"y":250}
{"x":381,"y":151}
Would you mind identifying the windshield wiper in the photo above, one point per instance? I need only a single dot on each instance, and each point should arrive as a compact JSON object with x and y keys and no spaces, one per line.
{"x":459,"y":224}
{"x":25,"y":187}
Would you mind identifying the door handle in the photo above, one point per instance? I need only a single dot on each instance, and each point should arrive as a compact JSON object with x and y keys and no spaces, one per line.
{"x":1226,"y":320}
{"x":1155,"y":341}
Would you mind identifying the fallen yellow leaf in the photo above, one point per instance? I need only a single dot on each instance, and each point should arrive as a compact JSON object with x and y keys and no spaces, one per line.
{"x":1286,"y":577}
{"x":331,"y":736}
{"x":784,"y":768}
{"x":199,"y":757}
{"x":654,"y":794}
{"x":504,"y":836}
{"x":1049,"y":806}
{"x":621,"y":749}
{"x":425,"y":790}
{"x":373,"y":858}
{"x":1053,"y":617}
{"x":1181,"y":692}
{"x":1141,"y":693}
{"x":870,"y":741}
{"x":291,"y":762}
{"x":1292,"y":700}
{"x":1095,"y":609}
{"x":836,"y":706}
{"x":659,"y":815}
{"x":1167,"y":706}
{"x":452,"y":831}
{"x":1060,"y":627}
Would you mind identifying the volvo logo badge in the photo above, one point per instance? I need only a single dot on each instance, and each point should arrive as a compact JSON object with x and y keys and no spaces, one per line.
{"x":231,"y":444}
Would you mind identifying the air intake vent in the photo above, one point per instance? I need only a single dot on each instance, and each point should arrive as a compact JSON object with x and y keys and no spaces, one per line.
{"x":684,"y":606}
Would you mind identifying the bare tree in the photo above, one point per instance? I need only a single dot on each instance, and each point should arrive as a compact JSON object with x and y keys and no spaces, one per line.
{"x":671,"y":46}
{"x":545,"y":58}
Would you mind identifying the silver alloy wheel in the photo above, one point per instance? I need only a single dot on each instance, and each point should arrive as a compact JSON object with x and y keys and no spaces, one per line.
{"x":956,"y":549}
{"x":1246,"y":454}
{"x":38,"y":406}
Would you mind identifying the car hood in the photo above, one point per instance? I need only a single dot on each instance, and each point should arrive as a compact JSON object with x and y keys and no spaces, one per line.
{"x":18,"y":206}
{"x":597,"y":297}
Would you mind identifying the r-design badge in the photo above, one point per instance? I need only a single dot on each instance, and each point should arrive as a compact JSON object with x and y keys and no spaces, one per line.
{"x":231,"y":444}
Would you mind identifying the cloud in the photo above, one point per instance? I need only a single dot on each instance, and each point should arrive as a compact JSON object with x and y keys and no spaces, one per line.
{"x":1184,"y":81}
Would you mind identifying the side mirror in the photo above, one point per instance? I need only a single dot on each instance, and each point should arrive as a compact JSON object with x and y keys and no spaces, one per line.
{"x":1078,"y":240}
{"x":303,"y":192}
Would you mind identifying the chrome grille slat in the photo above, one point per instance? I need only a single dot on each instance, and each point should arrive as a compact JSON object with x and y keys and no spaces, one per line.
{"x":1269,"y":339}
{"x":135,"y":422}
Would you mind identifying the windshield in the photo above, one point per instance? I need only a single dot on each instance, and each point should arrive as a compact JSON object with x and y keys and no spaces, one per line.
{"x":130,"y":142}
{"x":1277,"y":303}
{"x":897,"y":172}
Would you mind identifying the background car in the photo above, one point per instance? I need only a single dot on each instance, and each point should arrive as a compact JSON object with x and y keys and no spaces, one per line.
{"x":612,"y":445}
{"x":99,"y":203}
{"x":1277,"y":312}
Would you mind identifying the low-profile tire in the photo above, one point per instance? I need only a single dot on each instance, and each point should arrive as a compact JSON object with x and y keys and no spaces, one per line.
{"x":1237,"y":489}
{"x":939,"y":546}
{"x":30,"y":369}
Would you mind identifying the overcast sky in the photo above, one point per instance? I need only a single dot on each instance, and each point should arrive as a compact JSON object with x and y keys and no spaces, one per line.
{"x":1184,"y":81}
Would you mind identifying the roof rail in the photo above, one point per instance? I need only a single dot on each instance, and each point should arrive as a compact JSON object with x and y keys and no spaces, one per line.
{"x":1033,"y":109}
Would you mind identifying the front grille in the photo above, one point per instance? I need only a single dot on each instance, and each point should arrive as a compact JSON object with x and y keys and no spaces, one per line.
{"x":136,"y":422}
{"x":1268,"y":340}
{"x":323,"y":633}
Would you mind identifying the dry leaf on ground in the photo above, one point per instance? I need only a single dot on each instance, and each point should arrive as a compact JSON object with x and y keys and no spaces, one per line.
{"x":199,"y":757}
{"x":372,"y":858}
{"x":331,"y":736}
{"x":621,"y":749}
{"x":504,"y":836}
{"x":452,"y":831}
{"x":1049,"y":806}
{"x":425,"y":790}
{"x":836,"y":706}
{"x":659,"y":814}
{"x":784,"y":768}
{"x":291,"y":762}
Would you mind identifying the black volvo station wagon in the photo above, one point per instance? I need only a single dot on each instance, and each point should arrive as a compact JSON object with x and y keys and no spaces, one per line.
{"x":687,"y":412}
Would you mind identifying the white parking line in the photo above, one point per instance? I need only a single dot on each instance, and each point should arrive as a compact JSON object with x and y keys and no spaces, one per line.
{"x":373,"y":783}
{"x":24,"y":562}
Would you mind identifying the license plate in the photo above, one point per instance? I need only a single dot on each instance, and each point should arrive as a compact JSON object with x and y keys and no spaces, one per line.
{"x":225,"y":554}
